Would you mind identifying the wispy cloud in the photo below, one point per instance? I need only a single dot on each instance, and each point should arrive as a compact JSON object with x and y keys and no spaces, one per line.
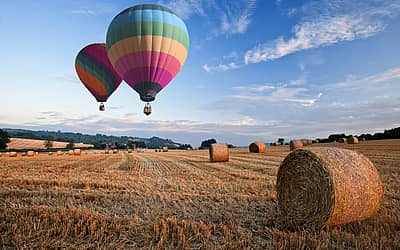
{"x":65,"y":77}
{"x":95,"y":9}
{"x":237,"y":17}
{"x":186,"y":8}
{"x":313,"y":34}
{"x":220,"y":67}
{"x":325,"y":23}
{"x":367,"y":82}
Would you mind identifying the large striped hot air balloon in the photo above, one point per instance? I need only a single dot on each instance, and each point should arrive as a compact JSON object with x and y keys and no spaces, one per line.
{"x":147,"y":45}
{"x":96,"y":72}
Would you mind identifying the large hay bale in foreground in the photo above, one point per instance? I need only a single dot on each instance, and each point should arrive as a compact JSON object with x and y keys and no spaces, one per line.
{"x":321,"y":187}
{"x":77,"y":151}
{"x":30,"y":153}
{"x":71,"y":152}
{"x":257,"y":147}
{"x":219,"y":152}
{"x":13,"y":154}
{"x":352,"y":140}
{"x":295,"y":144}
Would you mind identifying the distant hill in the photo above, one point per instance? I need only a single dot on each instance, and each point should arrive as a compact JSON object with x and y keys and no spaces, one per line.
{"x":97,"y":140}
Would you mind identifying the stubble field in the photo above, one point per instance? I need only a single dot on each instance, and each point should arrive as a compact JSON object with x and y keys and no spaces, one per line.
{"x":175,"y":199}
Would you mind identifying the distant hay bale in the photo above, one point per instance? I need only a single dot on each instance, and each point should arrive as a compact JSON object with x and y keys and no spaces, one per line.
{"x":71,"y":152}
{"x":326,"y":186}
{"x":13,"y":154}
{"x":1,"y":154}
{"x":50,"y":153}
{"x":295,"y":144}
{"x":219,"y":152}
{"x":129,"y":150}
{"x":77,"y":151}
{"x":306,"y":142}
{"x":363,"y":139}
{"x":165,"y":149}
{"x":30,"y":153}
{"x":59,"y":152}
{"x":257,"y":147}
{"x":115,"y":151}
{"x":23,"y":154}
{"x":342,"y":140}
{"x":106,"y":152}
{"x":352,"y":140}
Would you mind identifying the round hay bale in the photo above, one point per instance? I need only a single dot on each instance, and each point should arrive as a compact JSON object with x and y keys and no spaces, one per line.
{"x":30,"y":153}
{"x":50,"y":153}
{"x":13,"y":154}
{"x":257,"y":147}
{"x":77,"y":151}
{"x":352,"y":140}
{"x":129,"y":150}
{"x":59,"y":152}
{"x":1,"y":154}
{"x":71,"y":152}
{"x":115,"y":151}
{"x":295,"y":144}
{"x":165,"y":149}
{"x":326,"y":186}
{"x":306,"y":142}
{"x":106,"y":152}
{"x":219,"y":152}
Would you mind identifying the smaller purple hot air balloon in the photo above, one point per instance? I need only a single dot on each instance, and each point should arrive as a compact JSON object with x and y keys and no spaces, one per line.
{"x":96,"y":72}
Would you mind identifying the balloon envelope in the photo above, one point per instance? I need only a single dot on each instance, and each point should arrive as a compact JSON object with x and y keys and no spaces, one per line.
{"x":147,"y":45}
{"x":96,"y":72}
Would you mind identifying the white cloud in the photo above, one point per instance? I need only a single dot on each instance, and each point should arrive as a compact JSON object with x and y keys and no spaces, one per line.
{"x":220,"y":67}
{"x":355,"y":83}
{"x":187,"y":8}
{"x":65,"y":77}
{"x":237,"y":19}
{"x":313,"y":34}
{"x":95,"y":9}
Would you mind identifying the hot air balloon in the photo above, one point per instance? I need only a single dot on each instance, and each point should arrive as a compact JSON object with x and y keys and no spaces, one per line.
{"x":96,"y":72}
{"x":147,"y":45}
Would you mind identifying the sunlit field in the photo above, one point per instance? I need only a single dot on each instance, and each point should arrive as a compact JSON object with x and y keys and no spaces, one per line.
{"x":175,"y":199}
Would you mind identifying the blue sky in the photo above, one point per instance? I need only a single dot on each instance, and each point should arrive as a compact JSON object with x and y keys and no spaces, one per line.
{"x":256,"y":70}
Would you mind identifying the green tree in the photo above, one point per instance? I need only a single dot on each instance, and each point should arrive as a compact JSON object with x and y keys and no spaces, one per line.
{"x":48,"y":143}
{"x":70,"y":145}
{"x":4,"y":139}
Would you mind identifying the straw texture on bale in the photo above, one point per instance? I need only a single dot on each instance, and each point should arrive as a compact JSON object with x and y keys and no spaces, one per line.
{"x":326,"y":186}
{"x":30,"y":153}
{"x":295,"y":144}
{"x":77,"y":151}
{"x":71,"y":152}
{"x":352,"y":140}
{"x":219,"y":152}
{"x":257,"y":147}
{"x":13,"y":154}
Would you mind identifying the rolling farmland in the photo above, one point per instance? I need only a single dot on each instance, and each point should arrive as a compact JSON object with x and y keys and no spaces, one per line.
{"x":175,"y":199}
{"x":19,"y":143}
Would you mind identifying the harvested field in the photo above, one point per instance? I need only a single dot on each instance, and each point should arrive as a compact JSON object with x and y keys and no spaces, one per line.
{"x":177,"y":199}
{"x":19,"y":143}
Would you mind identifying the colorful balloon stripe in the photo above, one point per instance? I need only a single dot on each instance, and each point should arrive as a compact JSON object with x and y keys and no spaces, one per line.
{"x":143,"y":74}
{"x":148,"y":59}
{"x":147,"y":28}
{"x":95,"y":87}
{"x":147,"y":43}
{"x":148,"y":16}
